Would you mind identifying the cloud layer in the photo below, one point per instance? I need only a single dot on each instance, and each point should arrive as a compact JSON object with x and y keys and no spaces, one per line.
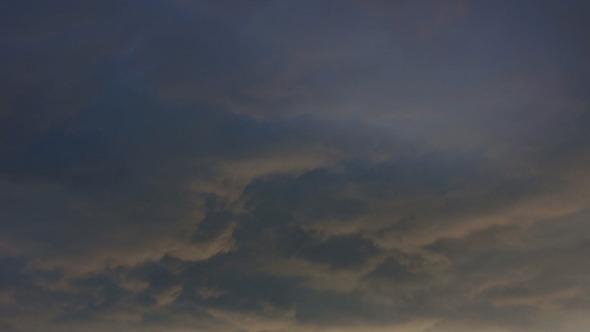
{"x":286,"y":166}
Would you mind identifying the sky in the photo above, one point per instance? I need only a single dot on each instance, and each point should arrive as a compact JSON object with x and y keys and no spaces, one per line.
{"x":295,"y":165}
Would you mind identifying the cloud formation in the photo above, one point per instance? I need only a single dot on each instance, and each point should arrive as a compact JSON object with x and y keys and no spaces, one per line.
{"x":286,"y":166}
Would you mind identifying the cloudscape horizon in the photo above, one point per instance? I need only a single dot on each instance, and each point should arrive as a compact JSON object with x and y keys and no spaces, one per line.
{"x":295,"y":165}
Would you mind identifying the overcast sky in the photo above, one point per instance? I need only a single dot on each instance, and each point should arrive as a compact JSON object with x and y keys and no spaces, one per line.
{"x":295,"y":166}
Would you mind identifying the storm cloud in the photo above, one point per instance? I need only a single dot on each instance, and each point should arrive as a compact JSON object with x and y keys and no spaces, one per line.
{"x":286,"y":166}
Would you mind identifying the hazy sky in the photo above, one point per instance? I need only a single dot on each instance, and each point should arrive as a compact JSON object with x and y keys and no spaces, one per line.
{"x":294,"y":166}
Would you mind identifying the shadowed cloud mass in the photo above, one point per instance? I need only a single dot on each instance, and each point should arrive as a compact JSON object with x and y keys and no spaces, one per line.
{"x":289,"y":166}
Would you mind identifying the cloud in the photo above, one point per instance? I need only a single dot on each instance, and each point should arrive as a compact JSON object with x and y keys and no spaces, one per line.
{"x":293,"y":166}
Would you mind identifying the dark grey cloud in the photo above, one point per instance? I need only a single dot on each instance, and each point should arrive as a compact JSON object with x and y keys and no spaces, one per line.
{"x":339,"y":252}
{"x":392,"y":270}
{"x":294,"y":165}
